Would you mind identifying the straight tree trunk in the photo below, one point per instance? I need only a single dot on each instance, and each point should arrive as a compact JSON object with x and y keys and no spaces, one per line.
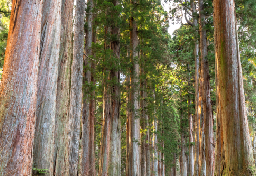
{"x":135,"y":125}
{"x":190,"y":117}
{"x":197,"y":109}
{"x":76,"y":87}
{"x":143,"y":118}
{"x":183,"y":158}
{"x":202,"y":162}
{"x":88,"y":166}
{"x":61,"y":153}
{"x":207,"y":107}
{"x":174,"y":168}
{"x":43,"y":150}
{"x":128,"y":128}
{"x":147,"y":147}
{"x":107,"y":115}
{"x":238,"y":156}
{"x":155,"y":154}
{"x":18,"y":89}
{"x":115,"y":148}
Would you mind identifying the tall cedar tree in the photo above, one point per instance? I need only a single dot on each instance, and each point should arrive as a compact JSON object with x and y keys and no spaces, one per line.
{"x":76,"y":87}
{"x":43,"y":148}
{"x":234,"y":151}
{"x":61,"y":148}
{"x":18,"y":88}
{"x":207,"y":107}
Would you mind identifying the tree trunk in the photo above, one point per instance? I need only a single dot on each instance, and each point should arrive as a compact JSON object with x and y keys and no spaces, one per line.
{"x":18,"y":89}
{"x":61,"y":153}
{"x":231,"y":106}
{"x":107,"y":115}
{"x":43,"y":150}
{"x":207,"y":107}
{"x":155,"y":141}
{"x":183,"y":158}
{"x":88,"y":166}
{"x":147,"y":144}
{"x":135,"y":92}
{"x":115,"y":158}
{"x":173,"y":169}
{"x":143,"y":120}
{"x":197,"y":108}
{"x":128,"y":128}
{"x":76,"y":87}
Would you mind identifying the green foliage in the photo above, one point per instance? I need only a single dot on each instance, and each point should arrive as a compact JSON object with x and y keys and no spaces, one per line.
{"x":4,"y":27}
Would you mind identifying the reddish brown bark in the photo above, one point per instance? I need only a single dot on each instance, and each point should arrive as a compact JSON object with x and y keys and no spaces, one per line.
{"x":63,"y":90}
{"x":207,"y":107}
{"x":43,"y":149}
{"x":236,"y":143}
{"x":18,"y":88}
{"x":88,"y":156}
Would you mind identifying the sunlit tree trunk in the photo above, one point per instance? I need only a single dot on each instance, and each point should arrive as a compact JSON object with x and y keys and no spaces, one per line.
{"x":197,"y":110}
{"x":76,"y":87}
{"x":43,"y":150}
{"x":63,"y":90}
{"x":128,"y":127}
{"x":135,"y":122}
{"x":183,"y":158}
{"x":207,"y":107}
{"x":238,"y":156}
{"x":88,"y":156}
{"x":155,"y":141}
{"x":143,"y":121}
{"x":18,"y":89}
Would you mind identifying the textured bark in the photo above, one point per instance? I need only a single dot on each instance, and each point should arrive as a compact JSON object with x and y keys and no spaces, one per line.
{"x":173,"y":169}
{"x":143,"y":120}
{"x":88,"y":156}
{"x":147,"y":135}
{"x":76,"y":88}
{"x":163,"y":166}
{"x":135,"y":125}
{"x":190,"y":119}
{"x":107,"y":115}
{"x":155,"y":154}
{"x":202,"y":162}
{"x":43,"y":149}
{"x":183,"y":158}
{"x":63,"y":90}
{"x":115,"y":158}
{"x":238,"y":156}
{"x":191,"y":150}
{"x":128,"y":128}
{"x":18,"y":88}
{"x":106,"y":130}
{"x":207,"y":107}
{"x":160,"y":164}
{"x":197,"y":110}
